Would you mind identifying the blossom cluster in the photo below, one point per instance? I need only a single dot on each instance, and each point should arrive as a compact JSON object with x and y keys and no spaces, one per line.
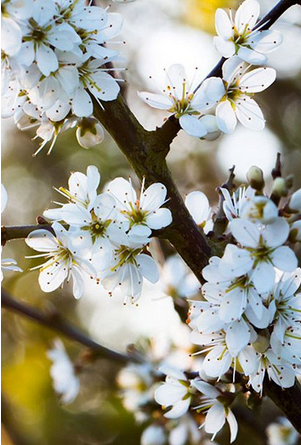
{"x":249,"y":319}
{"x":55,"y":62}
{"x":217,"y":104}
{"x":104,"y":236}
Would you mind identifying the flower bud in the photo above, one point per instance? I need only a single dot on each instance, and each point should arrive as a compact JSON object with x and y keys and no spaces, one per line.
{"x":153,"y":435}
{"x":295,"y":232}
{"x":262,"y":343}
{"x":289,"y":180}
{"x":279,"y":187}
{"x":260,"y":209}
{"x":89,"y":132}
{"x":295,"y":202}
{"x":255,"y":178}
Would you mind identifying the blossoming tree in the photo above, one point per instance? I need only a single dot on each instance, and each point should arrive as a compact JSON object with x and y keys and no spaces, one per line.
{"x":235,"y":267}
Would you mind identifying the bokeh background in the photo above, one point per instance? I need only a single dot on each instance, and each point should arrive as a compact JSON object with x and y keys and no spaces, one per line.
{"x":158,"y":33}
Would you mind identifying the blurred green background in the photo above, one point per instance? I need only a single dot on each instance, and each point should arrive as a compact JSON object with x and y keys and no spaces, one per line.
{"x":168,"y":31}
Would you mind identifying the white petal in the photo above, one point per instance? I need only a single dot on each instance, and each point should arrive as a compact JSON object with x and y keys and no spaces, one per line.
{"x":52,"y":277}
{"x":247,"y":14}
{"x":235,"y":262}
{"x":263,"y":277}
{"x":159,"y":218}
{"x":153,"y":197}
{"x":82,"y":103}
{"x":78,"y":283}
{"x":168,"y":394}
{"x":104,"y":86}
{"x":237,"y":336}
{"x":225,"y":116}
{"x":257,"y":80}
{"x":11,"y":36}
{"x":233,"y":304}
{"x":42,"y":241}
{"x":46,"y":59}
{"x":231,"y":68}
{"x":179,"y":409}
{"x":223,"y":25}
{"x":123,"y":191}
{"x":4,"y":197}
{"x":251,"y":56}
{"x":217,"y":362}
{"x":249,"y":114}
{"x":245,"y":232}
{"x":248,"y":360}
{"x":215,"y":418}
{"x":198,"y":206}
{"x":76,"y":215}
{"x":233,"y":425}
{"x":276,"y":233}
{"x":175,"y":78}
{"x":104,"y":206}
{"x":284,"y":259}
{"x":148,"y":268}
{"x":265,"y":41}
{"x":225,"y":47}
{"x":156,"y":100}
{"x":206,"y":388}
{"x":193,"y":126}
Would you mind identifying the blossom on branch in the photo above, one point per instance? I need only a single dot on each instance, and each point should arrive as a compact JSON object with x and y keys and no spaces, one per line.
{"x":240,"y":36}
{"x":54,"y":59}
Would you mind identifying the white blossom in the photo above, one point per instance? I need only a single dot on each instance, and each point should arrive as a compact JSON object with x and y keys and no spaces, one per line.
{"x":174,"y":392}
{"x":282,"y":432}
{"x":183,"y":102}
{"x":233,"y":204}
{"x":64,"y":258}
{"x":234,"y":94}
{"x":153,"y":434}
{"x":177,"y":278}
{"x":238,"y":36}
{"x":65,"y":380}
{"x":144,"y":213}
{"x":217,"y":412}
{"x":295,"y":201}
{"x":130,"y":265}
{"x":262,"y":250}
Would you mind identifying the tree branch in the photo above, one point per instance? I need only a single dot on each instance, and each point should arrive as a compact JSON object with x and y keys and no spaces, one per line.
{"x":288,"y":401}
{"x":56,"y":323}
{"x":16,"y":232}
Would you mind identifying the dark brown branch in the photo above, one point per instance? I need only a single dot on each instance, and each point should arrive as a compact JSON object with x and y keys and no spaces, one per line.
{"x":16,"y":232}
{"x":56,"y":323}
{"x":288,"y":401}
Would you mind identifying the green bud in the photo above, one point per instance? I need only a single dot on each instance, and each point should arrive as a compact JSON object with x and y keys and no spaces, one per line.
{"x":255,"y":178}
{"x":280,"y":187}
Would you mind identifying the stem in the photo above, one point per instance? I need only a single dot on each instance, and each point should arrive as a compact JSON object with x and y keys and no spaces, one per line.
{"x":55,"y":322}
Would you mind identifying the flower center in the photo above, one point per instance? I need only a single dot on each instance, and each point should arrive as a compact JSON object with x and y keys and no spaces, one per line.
{"x":126,"y":255}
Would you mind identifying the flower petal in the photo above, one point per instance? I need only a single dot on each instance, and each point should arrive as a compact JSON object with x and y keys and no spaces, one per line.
{"x":225,"y":116}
